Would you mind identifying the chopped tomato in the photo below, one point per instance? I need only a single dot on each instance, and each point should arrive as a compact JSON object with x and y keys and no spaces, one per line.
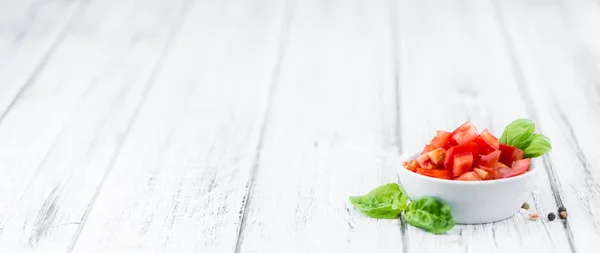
{"x":412,"y":165}
{"x":487,"y":142}
{"x":437,"y":156}
{"x":502,"y":165}
{"x":423,"y":160}
{"x":469,"y":176}
{"x":490,"y":160}
{"x":482,"y":173}
{"x":518,"y":168}
{"x":510,"y":154}
{"x":437,"y":173}
{"x":464,"y":133}
{"x":470,"y":147}
{"x":521,"y":166}
{"x":439,"y":141}
{"x":462,"y":163}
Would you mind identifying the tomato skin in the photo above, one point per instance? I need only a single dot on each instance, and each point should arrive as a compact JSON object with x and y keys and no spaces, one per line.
{"x":510,"y":154}
{"x":469,"y":176}
{"x":437,"y":173}
{"x":519,"y":167}
{"x":462,"y":163}
{"x":487,"y":142}
{"x":464,"y":133}
{"x":490,"y":160}
{"x":439,"y":141}
{"x":470,"y":147}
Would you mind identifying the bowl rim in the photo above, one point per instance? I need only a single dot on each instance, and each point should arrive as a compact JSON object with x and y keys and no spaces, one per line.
{"x":532,"y":171}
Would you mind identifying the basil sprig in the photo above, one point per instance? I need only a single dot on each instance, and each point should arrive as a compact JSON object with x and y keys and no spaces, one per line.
{"x":520,"y":134}
{"x":385,"y":202}
{"x":389,"y":201}
{"x":430,"y":214}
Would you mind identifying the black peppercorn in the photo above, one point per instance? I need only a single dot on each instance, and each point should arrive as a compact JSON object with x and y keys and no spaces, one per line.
{"x":551,"y":216}
{"x":562,"y":209}
{"x":563,"y":215}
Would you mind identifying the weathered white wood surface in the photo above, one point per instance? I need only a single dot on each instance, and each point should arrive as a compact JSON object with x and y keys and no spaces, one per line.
{"x":457,"y":60}
{"x":557,"y":51}
{"x":243,"y":126}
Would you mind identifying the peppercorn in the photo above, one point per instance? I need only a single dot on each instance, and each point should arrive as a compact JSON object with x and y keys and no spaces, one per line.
{"x":562,"y":209}
{"x":563,"y":215}
{"x":551,"y":216}
{"x":525,"y":206}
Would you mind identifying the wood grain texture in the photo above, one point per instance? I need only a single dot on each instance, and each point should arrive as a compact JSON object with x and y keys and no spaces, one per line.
{"x":245,"y":125}
{"x":179,"y":182}
{"x":454,"y":67}
{"x":29,"y":33}
{"x":556,"y":47}
{"x":328,"y":135}
{"x":64,"y":131}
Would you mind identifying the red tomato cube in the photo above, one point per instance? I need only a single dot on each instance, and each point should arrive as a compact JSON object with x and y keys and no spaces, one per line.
{"x":470,"y":147}
{"x":439,"y":141}
{"x":490,"y":160}
{"x":464,"y":133}
{"x":462,"y":163}
{"x":510,"y":154}
{"x":487,"y":142}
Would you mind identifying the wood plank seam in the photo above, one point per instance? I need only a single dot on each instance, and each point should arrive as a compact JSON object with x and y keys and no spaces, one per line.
{"x":151,"y":80}
{"x":397,"y":109}
{"x":267,"y":111}
{"x":524,"y":92}
{"x":55,"y":44}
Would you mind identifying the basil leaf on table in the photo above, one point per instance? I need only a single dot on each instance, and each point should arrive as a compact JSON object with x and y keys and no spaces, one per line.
{"x":540,"y":145}
{"x":386,"y":202}
{"x":430,"y":214}
{"x":518,"y":133}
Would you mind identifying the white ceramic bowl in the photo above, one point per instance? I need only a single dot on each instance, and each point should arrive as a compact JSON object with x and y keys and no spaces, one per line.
{"x":472,"y":202}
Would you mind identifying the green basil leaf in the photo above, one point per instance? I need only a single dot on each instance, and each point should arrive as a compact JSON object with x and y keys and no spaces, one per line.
{"x":430,"y":214}
{"x":518,"y":133}
{"x":539,"y":146}
{"x":386,"y":202}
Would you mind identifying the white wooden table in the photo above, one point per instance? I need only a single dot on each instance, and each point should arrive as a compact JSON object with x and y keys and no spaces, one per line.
{"x":243,"y":126}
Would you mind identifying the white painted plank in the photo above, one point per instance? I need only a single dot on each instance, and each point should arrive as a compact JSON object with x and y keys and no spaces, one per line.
{"x":557,"y":47}
{"x":61,"y":136}
{"x":454,"y":67}
{"x":178,"y":184}
{"x":29,"y":32}
{"x":330,"y":128}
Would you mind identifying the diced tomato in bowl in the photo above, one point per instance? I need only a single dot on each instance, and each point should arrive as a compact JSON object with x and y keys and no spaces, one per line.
{"x":463,"y":168}
{"x":465,"y":155}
